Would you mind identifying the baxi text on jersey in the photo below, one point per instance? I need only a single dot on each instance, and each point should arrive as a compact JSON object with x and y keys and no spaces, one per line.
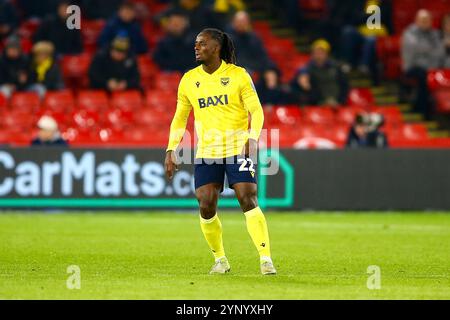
{"x":213,"y":101}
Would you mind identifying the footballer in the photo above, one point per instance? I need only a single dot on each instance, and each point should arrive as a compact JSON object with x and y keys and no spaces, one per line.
{"x":221,"y":95}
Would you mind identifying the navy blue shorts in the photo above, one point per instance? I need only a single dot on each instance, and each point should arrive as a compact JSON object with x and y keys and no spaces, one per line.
{"x":237,"y":169}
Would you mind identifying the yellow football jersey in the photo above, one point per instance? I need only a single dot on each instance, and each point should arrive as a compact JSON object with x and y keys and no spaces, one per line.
{"x":221,"y":102}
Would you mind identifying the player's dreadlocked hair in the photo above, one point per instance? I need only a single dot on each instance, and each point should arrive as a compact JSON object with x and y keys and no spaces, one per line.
{"x":227,"y":51}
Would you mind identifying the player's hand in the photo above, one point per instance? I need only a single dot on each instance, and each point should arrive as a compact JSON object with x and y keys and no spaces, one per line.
{"x":170,"y":164}
{"x":250,"y":149}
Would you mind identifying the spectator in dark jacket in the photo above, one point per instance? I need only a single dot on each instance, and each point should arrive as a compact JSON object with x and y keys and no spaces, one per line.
{"x":48,"y":134}
{"x":269,"y":88}
{"x":250,"y":51}
{"x":54,"y":29}
{"x":9,"y":19}
{"x":45,"y":73}
{"x":198,"y":12}
{"x":115,"y":69}
{"x":124,"y":24}
{"x":321,"y":81}
{"x":365,"y":133}
{"x":14,"y":66}
{"x":99,"y":9}
{"x":422,"y":49}
{"x":445,"y":36}
{"x":174,"y":51}
{"x":36,"y":9}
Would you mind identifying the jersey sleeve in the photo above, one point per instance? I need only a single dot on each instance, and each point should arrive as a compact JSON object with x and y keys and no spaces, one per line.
{"x":253,"y":105}
{"x":179,"y":121}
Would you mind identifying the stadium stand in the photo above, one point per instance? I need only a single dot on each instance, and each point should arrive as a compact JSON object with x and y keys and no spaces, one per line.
{"x":142,"y":117}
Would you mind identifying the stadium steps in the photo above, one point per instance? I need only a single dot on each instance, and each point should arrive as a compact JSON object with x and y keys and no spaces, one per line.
{"x":385,"y":94}
{"x":258,"y":15}
{"x":438,"y":133}
{"x":284,"y":32}
{"x":386,"y":99}
{"x":405,"y":107}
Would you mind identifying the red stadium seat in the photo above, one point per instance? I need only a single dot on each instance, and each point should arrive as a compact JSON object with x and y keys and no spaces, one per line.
{"x":285,"y":115}
{"x":25,"y":101}
{"x":361,"y":97}
{"x":75,"y":66}
{"x":403,"y":13}
{"x":438,"y":79}
{"x":168,"y":81}
{"x":161,"y":100}
{"x":388,"y":51}
{"x":407,"y":131}
{"x":439,"y":84}
{"x":313,"y":131}
{"x":118,"y":118}
{"x":93,"y":100}
{"x":318,"y":115}
{"x":392,"y":115}
{"x":312,"y":9}
{"x":442,"y":98}
{"x":127,"y":100}
{"x":347,"y":115}
{"x":17,"y":120}
{"x":16,"y":138}
{"x":59,"y":100}
{"x":3,"y":101}
{"x":111,"y":136}
{"x":152,"y":118}
{"x":75,"y":70}
{"x":59,"y":115}
{"x":85,"y":120}
{"x":262,"y":27}
{"x":28,"y":28}
{"x":90,"y":31}
{"x":339,"y":133}
{"x":148,"y":71}
{"x":146,"y":136}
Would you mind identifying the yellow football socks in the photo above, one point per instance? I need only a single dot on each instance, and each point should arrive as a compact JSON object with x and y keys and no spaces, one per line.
{"x":257,"y":227}
{"x":212,"y":230}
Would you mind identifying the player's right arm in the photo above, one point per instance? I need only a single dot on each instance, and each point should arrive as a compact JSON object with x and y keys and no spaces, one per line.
{"x":177,"y":128}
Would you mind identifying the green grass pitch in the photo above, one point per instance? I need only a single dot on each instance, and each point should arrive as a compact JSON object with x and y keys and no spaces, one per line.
{"x":163,"y":255}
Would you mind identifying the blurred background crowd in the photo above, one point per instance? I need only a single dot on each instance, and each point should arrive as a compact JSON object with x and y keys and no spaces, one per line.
{"x":324,"y":77}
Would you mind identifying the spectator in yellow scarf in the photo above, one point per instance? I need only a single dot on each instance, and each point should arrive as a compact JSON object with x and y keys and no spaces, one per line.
{"x":44,"y":74}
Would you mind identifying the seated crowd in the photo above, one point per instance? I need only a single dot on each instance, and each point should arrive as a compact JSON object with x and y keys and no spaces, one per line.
{"x":322,"y":81}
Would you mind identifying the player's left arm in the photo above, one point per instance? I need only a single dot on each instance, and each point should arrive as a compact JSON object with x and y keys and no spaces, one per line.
{"x":251,"y":102}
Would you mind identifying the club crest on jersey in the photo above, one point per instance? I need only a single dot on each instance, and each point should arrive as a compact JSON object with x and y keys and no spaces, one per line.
{"x":224,"y":81}
{"x":213,"y":101}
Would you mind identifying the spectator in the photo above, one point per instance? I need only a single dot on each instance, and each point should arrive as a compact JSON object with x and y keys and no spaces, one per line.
{"x":200,"y":15}
{"x":321,"y":81}
{"x":445,"y":34}
{"x":14,"y":66}
{"x":9,"y":19}
{"x":250,"y":51}
{"x":269,"y":88}
{"x":224,"y":9}
{"x":174,"y":51}
{"x":365,"y":133}
{"x":115,"y":69}
{"x":124,"y":24}
{"x":36,"y":9}
{"x":45,"y":73}
{"x":54,"y":30}
{"x":358,"y":42}
{"x":421,"y":49}
{"x":48,"y":134}
{"x":99,"y":9}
